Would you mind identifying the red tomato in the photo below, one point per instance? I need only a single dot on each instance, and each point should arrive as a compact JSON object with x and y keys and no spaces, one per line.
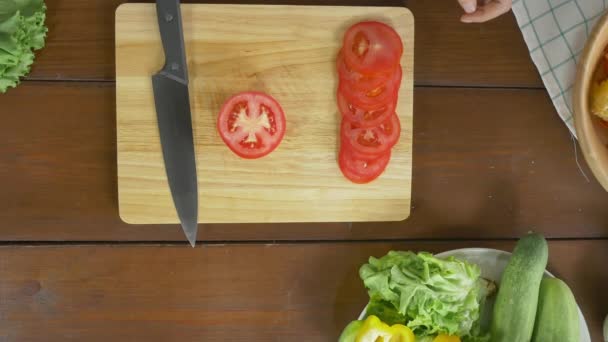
{"x":371,"y":47}
{"x":374,"y":140}
{"x":252,"y":124}
{"x":360,"y":81}
{"x":373,"y":98}
{"x":365,"y":117}
{"x":361,"y":169}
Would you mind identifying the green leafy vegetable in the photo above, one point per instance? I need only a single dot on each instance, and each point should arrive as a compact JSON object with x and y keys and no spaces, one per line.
{"x":386,"y":311}
{"x":430,"y":295}
{"x":22,"y":31}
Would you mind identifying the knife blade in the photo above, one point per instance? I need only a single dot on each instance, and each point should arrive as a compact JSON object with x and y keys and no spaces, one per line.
{"x":172,"y":103}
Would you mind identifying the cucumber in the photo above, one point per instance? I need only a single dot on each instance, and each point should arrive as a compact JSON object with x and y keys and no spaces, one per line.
{"x":557,"y":313}
{"x":606,"y":329}
{"x":515,"y":308}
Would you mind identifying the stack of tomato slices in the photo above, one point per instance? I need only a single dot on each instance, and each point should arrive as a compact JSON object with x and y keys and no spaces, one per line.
{"x":370,"y":75}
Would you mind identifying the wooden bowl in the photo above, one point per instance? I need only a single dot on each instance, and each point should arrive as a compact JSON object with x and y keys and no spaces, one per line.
{"x":592,"y":135}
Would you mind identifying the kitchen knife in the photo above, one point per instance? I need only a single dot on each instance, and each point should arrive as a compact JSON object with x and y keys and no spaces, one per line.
{"x":172,"y":102}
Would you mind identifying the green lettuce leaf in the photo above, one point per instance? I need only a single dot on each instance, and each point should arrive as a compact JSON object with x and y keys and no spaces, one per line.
{"x":7,"y":9}
{"x":22,"y":31}
{"x":385,"y":311}
{"x":432,"y":295}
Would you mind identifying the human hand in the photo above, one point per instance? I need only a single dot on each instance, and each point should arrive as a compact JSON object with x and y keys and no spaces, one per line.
{"x":479,"y":11}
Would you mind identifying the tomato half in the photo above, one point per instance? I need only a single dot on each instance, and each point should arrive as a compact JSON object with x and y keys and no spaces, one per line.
{"x":370,"y":99}
{"x":252,"y":124}
{"x":375,"y":140}
{"x":360,"y":81}
{"x":365,"y":117}
{"x":361,"y":169}
{"x":370,"y":47}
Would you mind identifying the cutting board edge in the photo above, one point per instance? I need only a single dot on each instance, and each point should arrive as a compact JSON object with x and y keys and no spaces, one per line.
{"x":126,"y":5}
{"x":161,"y":222}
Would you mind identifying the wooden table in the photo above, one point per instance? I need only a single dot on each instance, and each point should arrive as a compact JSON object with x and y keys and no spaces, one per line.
{"x":492,"y":160}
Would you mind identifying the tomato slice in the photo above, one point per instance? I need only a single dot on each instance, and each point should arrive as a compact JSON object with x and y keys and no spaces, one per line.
{"x":252,"y":124}
{"x":371,"y":99}
{"x":365,"y":117}
{"x":375,"y":140}
{"x":360,"y":169}
{"x":360,"y":81}
{"x":370,"y":47}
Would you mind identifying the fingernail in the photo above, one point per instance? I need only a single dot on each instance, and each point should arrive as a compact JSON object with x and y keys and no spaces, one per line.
{"x":469,"y":7}
{"x":465,"y":19}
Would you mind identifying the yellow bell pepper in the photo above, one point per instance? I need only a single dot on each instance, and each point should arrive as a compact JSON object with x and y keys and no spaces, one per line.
{"x":374,"y":330}
{"x":446,"y":338}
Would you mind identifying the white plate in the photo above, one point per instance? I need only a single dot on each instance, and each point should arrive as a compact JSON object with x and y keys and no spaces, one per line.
{"x":492,"y":263}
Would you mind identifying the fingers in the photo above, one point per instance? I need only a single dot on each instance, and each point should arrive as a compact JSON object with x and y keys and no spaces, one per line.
{"x":469,"y":6}
{"x":487,"y":12}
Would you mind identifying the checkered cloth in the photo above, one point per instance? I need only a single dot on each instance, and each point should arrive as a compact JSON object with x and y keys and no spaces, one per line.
{"x":555,"y":32}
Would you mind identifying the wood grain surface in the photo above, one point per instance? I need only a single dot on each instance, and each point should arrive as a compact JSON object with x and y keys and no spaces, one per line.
{"x":487,"y":164}
{"x":81,"y":46}
{"x":305,"y":292}
{"x":288,"y":52}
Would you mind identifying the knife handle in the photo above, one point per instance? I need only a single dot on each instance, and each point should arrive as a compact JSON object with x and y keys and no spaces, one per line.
{"x":171,"y":34}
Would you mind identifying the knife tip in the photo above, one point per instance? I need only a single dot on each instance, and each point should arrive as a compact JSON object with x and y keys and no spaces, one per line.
{"x":191,"y":231}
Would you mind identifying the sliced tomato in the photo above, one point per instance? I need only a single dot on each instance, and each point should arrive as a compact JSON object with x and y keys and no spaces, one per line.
{"x":359,"y":81}
{"x":371,"y":47}
{"x":361,"y":169}
{"x":365,"y":117}
{"x":252,"y":124}
{"x":375,"y":140}
{"x":371,"y":99}
{"x":345,"y":144}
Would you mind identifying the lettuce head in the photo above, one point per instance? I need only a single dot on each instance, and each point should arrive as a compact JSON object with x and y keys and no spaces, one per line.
{"x":428,"y":294}
{"x":22,"y":31}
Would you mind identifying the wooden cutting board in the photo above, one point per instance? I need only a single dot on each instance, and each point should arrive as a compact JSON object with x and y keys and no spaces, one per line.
{"x":288,"y":52}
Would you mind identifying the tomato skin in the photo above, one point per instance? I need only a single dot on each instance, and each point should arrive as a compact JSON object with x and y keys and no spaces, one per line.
{"x":369,"y":71}
{"x":359,"y":81}
{"x":256,"y":111}
{"x":370,"y":47}
{"x":358,"y":155}
{"x":371,"y":99}
{"x":371,"y":141}
{"x":365,"y":118}
{"x":360,"y":169}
